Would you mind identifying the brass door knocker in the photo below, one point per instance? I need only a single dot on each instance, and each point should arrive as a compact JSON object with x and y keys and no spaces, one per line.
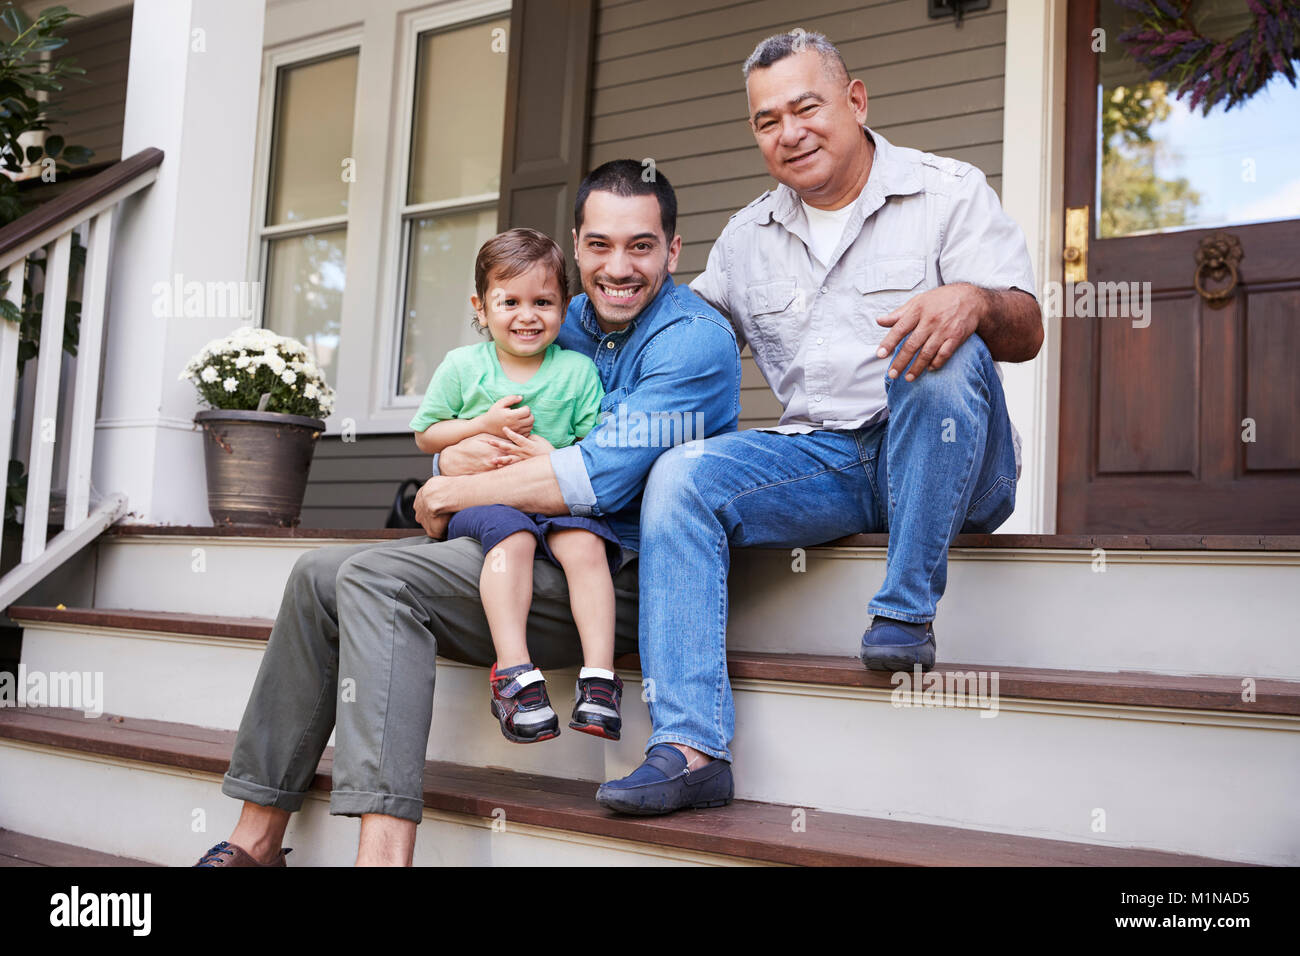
{"x":1217,"y":258}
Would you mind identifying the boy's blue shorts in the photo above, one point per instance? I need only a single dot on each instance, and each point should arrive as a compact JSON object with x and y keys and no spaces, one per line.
{"x":492,"y":524}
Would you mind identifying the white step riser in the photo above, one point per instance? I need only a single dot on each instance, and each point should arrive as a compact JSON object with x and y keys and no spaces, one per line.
{"x":149,"y":813}
{"x":1227,"y":613}
{"x":1185,"y":781}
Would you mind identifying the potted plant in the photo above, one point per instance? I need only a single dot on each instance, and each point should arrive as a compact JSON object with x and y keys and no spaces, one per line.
{"x":268,"y":402}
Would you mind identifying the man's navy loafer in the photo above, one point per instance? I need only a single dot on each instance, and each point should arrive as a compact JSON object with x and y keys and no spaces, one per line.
{"x":890,"y":645}
{"x":662,"y":784}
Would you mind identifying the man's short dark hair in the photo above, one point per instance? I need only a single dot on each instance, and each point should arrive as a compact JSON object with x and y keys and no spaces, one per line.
{"x":627,"y":177}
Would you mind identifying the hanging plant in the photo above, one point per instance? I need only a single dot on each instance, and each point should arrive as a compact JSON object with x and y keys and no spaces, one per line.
{"x":1211,"y":71}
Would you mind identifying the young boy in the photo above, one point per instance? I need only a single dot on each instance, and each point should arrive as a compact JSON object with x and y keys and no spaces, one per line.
{"x":522,"y":386}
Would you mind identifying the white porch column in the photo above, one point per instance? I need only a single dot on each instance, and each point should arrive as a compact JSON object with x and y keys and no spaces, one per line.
{"x":1032,"y":170}
{"x":192,"y":91}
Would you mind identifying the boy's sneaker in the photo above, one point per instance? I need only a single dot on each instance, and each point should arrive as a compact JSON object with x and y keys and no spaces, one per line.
{"x":597,"y":701}
{"x":519,"y":701}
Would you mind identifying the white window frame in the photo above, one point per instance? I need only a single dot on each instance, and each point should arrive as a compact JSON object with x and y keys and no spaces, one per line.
{"x":370,"y":321}
{"x":289,"y":56}
{"x":388,"y":405}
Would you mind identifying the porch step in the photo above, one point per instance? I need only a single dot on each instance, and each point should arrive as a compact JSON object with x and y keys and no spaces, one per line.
{"x":151,"y":778}
{"x":1172,"y":604}
{"x":1184,"y":764}
{"x":24,"y":850}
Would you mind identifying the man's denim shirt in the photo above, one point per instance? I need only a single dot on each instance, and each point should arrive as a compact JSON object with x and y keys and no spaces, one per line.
{"x":673,"y":374}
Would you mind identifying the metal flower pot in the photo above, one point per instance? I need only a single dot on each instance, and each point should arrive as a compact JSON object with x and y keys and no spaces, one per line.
{"x":257,"y":465}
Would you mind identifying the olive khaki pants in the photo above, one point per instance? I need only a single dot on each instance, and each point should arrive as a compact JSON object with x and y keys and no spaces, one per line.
{"x":355,"y":648}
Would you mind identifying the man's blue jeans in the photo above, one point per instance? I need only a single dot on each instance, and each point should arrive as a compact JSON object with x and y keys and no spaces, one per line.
{"x":943,"y":462}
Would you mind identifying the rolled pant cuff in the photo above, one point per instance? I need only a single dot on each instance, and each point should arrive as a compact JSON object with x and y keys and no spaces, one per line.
{"x":353,"y":803}
{"x":876,"y":610}
{"x":261,"y":794}
{"x":723,"y":754}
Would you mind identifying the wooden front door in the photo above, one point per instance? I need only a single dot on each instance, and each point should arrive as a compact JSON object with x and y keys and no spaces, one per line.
{"x":1183,"y":417}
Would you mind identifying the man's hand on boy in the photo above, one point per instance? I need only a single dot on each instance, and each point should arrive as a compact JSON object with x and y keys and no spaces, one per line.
{"x":431,"y":508}
{"x":478,"y":453}
{"x":527,"y":446}
{"x":500,"y":417}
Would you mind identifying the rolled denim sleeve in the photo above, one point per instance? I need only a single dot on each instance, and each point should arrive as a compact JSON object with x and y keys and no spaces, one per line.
{"x":691,"y":368}
{"x":575,"y":485}
{"x":981,"y":244}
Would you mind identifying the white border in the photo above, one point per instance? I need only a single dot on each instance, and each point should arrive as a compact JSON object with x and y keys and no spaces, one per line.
{"x":1033,"y":165}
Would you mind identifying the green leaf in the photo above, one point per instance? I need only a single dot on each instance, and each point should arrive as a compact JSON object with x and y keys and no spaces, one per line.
{"x":13,"y":19}
{"x":48,"y":43}
{"x":40,"y":81}
{"x":77,"y":154}
{"x":33,"y":153}
{"x":53,"y":144}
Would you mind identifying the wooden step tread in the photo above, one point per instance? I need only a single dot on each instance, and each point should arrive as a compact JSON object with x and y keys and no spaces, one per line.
{"x":21,"y":850}
{"x":1085,"y":542}
{"x":746,"y":829}
{"x":1120,"y":688}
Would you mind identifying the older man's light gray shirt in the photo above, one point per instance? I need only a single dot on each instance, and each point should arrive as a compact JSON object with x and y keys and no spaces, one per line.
{"x":921,"y":221}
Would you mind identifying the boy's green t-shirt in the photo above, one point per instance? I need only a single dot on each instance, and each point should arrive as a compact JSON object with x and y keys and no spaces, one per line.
{"x":564,"y":393}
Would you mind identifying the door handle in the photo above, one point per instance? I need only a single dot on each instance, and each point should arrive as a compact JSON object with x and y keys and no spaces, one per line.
{"x":1076,"y":244}
{"x":1217,"y":258}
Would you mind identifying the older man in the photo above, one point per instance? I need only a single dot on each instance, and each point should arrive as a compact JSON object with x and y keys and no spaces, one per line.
{"x":864,"y":250}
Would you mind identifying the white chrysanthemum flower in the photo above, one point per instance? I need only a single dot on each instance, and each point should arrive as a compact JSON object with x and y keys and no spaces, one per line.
{"x":242,"y":361}
{"x":209,"y":375}
{"x":288,"y":376}
{"x":230,"y":384}
{"x":309,"y":390}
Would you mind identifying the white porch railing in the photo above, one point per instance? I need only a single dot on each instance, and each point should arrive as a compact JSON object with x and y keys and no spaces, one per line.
{"x":51,"y":226}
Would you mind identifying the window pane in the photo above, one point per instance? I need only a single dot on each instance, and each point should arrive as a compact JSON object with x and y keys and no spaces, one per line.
{"x":439,"y":282}
{"x":1165,"y":167}
{"x":304,"y":293}
{"x":313,"y":135}
{"x":460,"y":100}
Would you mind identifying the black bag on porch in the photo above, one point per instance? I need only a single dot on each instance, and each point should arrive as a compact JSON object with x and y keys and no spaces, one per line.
{"x":402,"y":514}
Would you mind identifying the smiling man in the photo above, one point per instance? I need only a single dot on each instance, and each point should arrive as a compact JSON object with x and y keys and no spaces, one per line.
{"x":354,"y":648}
{"x":864,"y":251}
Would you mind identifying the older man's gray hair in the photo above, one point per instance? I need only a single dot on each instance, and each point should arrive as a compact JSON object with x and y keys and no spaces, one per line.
{"x":778,"y":47}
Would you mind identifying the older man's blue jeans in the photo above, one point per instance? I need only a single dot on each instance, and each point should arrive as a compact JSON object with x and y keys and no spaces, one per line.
{"x":942,"y":463}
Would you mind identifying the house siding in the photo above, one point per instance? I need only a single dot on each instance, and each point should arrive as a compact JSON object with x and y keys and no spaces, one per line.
{"x":666,"y":85}
{"x":94,"y":113}
{"x":90,"y":109}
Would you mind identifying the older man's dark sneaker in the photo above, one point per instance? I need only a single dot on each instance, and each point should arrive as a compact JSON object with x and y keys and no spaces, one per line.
{"x":227,"y":854}
{"x":892,"y":645}
{"x":663,"y":784}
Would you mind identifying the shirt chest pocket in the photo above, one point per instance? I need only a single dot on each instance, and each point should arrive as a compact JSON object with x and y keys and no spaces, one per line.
{"x":882,"y":286}
{"x":610,"y":401}
{"x":777,"y":313}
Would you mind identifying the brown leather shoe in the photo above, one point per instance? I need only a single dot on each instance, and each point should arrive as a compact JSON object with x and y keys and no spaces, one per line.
{"x":227,"y":854}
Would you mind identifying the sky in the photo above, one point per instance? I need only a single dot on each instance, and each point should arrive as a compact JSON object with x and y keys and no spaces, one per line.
{"x":1219,"y":153}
